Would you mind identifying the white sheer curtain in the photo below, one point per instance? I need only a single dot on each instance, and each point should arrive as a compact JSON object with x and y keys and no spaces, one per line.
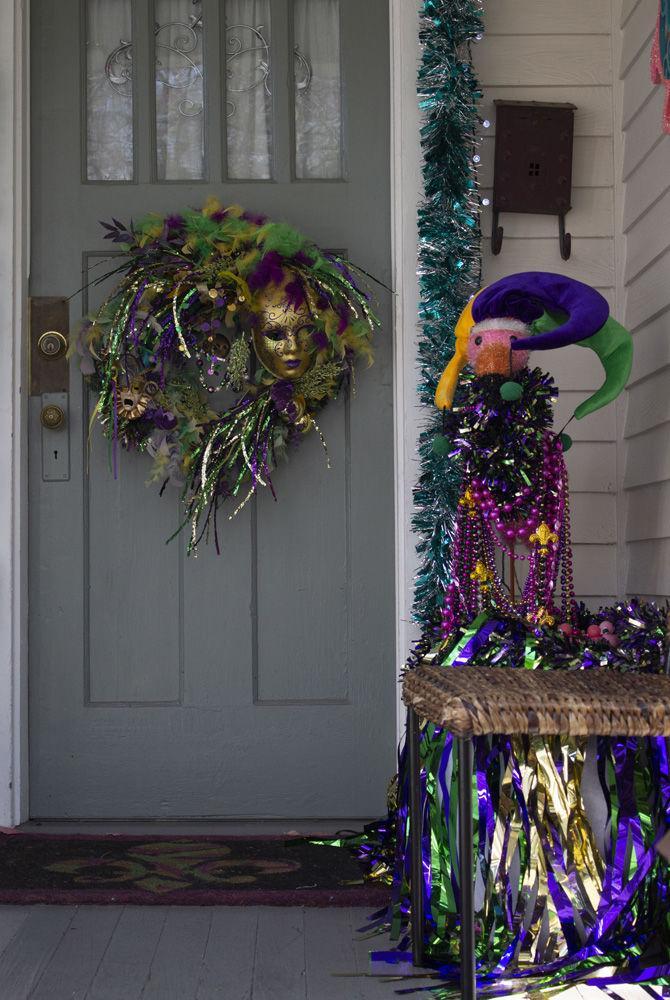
{"x":318,"y":93}
{"x":180,"y":117}
{"x":247,"y":89}
{"x":109,"y":90}
{"x":179,"y":81}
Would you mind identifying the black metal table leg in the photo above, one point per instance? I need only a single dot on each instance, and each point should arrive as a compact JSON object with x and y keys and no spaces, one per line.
{"x":415,"y":826}
{"x":466,"y":868}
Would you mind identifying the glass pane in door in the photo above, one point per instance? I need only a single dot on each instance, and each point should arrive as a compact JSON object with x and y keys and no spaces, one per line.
{"x":248,"y":98}
{"x":109,"y":90}
{"x":318,"y":89}
{"x":180,"y":112}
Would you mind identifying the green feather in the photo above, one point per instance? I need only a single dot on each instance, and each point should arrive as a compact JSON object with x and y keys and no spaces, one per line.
{"x":283,"y":239}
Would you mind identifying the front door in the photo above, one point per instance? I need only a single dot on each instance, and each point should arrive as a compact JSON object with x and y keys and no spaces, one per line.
{"x":260,"y":682}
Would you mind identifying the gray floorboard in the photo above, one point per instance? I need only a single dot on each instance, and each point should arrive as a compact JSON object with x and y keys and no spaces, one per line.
{"x":177,"y":961}
{"x":11,"y":918}
{"x":279,"y":967}
{"x":29,"y":952}
{"x":329,"y":948}
{"x":187,"y":953}
{"x":228,"y":967}
{"x":77,"y":957}
{"x":126,"y":964}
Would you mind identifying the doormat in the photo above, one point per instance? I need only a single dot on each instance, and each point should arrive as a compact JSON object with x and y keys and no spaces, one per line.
{"x":184,"y":871}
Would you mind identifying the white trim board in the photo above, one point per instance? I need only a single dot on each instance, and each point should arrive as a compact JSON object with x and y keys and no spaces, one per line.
{"x":14,"y":230}
{"x":406,"y":190}
{"x":13,"y":450}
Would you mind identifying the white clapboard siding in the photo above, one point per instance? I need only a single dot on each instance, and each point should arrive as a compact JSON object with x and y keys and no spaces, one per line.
{"x":533,"y":51}
{"x":592,"y":215}
{"x":649,"y":404}
{"x":648,"y":293}
{"x":638,"y":87}
{"x":542,"y":17}
{"x":652,"y":347}
{"x":544,"y":60}
{"x":594,"y":518}
{"x":591,"y":261}
{"x":649,"y":183}
{"x":648,"y":515}
{"x":627,"y":9}
{"x":648,"y":457}
{"x":647,"y":239}
{"x":636,"y":37}
{"x":649,"y":567}
{"x":642,"y":132}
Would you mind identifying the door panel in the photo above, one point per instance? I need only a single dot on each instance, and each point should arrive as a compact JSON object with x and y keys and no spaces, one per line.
{"x":260,"y":682}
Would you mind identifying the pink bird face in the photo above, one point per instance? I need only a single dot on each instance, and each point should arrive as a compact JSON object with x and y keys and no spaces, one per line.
{"x":490,"y":348}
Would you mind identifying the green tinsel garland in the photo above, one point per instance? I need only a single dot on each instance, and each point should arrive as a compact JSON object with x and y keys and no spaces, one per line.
{"x":449,"y":263}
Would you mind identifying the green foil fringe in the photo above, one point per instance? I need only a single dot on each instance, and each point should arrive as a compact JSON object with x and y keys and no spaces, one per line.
{"x":449,"y":264}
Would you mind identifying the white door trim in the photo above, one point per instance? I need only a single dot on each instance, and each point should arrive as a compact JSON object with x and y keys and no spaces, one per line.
{"x":405,"y":195}
{"x":13,"y":425}
{"x":14,"y":233}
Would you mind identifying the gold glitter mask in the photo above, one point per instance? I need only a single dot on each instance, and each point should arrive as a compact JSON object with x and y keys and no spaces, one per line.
{"x":283,"y":341}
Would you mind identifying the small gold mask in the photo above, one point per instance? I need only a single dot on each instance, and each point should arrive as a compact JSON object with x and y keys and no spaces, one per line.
{"x":283,"y":341}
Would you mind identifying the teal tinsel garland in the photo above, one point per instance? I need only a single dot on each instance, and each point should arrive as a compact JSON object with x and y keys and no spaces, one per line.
{"x":449,"y":263}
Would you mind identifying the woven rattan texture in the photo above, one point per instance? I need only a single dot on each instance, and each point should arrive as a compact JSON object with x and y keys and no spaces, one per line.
{"x":474,"y":701}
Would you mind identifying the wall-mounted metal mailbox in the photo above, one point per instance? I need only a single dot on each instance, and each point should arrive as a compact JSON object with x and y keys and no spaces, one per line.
{"x":533,"y":164}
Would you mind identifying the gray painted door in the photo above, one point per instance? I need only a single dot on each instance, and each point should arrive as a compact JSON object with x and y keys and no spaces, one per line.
{"x":261,"y":682}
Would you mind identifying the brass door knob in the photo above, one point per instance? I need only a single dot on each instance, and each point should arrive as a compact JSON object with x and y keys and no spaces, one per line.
{"x":52,"y":417}
{"x":52,"y":344}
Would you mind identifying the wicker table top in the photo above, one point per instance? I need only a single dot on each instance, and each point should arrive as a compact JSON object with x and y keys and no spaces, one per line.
{"x":474,"y":701}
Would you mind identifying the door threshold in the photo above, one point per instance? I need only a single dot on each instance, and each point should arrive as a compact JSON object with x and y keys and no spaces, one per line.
{"x":196,"y":827}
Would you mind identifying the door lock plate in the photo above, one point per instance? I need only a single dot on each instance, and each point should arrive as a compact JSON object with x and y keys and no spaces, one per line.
{"x":55,"y":437}
{"x":49,"y":329}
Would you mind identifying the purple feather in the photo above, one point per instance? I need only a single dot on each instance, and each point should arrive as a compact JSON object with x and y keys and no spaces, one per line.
{"x":294,"y":294}
{"x":255,"y":218}
{"x":343,"y":312}
{"x":319,"y":339}
{"x":282,"y":393}
{"x":268,"y":271}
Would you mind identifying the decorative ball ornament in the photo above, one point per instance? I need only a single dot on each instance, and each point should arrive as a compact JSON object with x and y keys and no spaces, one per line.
{"x":511,"y":391}
{"x":212,"y":300}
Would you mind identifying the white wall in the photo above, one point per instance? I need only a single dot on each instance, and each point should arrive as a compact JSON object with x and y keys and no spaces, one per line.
{"x":543,"y":51}
{"x":643,"y":169}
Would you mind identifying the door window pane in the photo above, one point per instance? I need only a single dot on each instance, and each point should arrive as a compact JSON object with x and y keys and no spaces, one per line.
{"x":247,"y":90}
{"x":318,"y":89}
{"x":180,"y":118}
{"x":109,"y":90}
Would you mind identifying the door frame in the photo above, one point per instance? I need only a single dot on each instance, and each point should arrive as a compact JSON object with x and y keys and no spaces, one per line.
{"x":14,"y":232}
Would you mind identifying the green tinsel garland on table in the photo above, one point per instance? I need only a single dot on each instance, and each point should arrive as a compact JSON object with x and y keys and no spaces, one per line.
{"x":449,"y":263}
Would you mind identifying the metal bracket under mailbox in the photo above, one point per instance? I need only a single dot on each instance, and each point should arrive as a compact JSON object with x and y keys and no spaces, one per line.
{"x":56,"y":442}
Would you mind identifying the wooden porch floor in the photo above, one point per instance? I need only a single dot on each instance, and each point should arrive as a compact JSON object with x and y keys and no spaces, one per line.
{"x":184,"y":953}
{"x":196,"y":953}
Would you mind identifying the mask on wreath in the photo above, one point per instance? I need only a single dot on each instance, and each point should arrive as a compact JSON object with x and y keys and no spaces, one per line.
{"x":283,"y":339}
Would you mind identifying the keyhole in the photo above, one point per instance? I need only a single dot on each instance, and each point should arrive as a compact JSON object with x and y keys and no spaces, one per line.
{"x":55,"y":456}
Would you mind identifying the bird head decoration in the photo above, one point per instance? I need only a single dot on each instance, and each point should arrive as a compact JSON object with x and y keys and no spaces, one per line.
{"x":531,"y":311}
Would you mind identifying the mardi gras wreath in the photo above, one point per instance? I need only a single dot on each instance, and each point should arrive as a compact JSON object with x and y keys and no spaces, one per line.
{"x":221,"y":301}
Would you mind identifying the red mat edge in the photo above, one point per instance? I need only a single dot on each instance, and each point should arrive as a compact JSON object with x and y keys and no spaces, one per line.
{"x":182,"y":837}
{"x":365,"y":896}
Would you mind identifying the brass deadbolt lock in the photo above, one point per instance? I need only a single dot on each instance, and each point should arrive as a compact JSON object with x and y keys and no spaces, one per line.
{"x":52,"y":417}
{"x":52,"y":344}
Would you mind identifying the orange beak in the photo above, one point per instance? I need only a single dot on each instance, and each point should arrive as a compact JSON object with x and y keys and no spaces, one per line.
{"x":494,"y":359}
